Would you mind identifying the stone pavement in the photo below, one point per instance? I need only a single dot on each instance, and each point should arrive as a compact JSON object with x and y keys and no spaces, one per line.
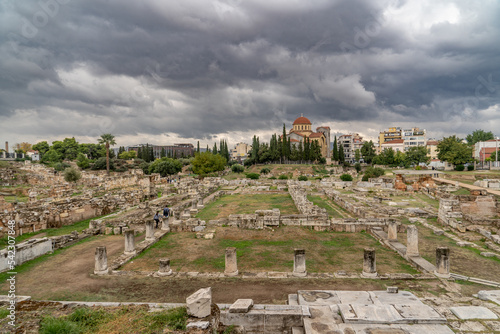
{"x":468,"y":186}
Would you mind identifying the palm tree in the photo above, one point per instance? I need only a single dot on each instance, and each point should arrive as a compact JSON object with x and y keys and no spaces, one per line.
{"x":107,"y":139}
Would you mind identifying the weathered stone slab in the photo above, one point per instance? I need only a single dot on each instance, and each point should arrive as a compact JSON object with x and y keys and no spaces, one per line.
{"x":414,"y":313}
{"x":373,"y":314}
{"x":198,"y":304}
{"x":490,"y":295}
{"x":403,"y":297}
{"x":198,"y":325}
{"x":354,"y":297}
{"x":317,"y":297}
{"x":392,"y":329}
{"x":241,"y":306}
{"x":473,"y":312}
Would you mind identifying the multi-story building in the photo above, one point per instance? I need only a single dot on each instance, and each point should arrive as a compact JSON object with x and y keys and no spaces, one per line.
{"x":394,"y":133}
{"x":302,"y":129}
{"x":432,"y":151}
{"x":396,"y":145}
{"x":240,"y":152}
{"x":483,"y":149}
{"x":350,"y":143}
{"x":414,"y":137}
{"x":176,"y":150}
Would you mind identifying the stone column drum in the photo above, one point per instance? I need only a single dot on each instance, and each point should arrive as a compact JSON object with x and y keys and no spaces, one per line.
{"x":165,"y":224}
{"x":231,"y":263}
{"x":392,"y":231}
{"x":164,"y":269}
{"x":369,"y":263}
{"x":412,"y":241}
{"x":101,"y":261}
{"x":129,"y":242}
{"x":442,"y":262}
{"x":299,"y":263}
{"x":150,"y":230}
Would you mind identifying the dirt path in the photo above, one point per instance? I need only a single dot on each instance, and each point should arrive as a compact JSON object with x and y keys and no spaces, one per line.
{"x":467,"y":186}
{"x":68,"y":271}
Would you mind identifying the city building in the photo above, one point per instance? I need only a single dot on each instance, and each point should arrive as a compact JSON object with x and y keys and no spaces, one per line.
{"x":302,"y":129}
{"x":240,"y":152}
{"x":432,"y":149}
{"x":176,"y":150}
{"x":396,"y":145}
{"x":350,"y":143}
{"x":414,"y":137}
{"x":394,"y":133}
{"x":483,"y":149}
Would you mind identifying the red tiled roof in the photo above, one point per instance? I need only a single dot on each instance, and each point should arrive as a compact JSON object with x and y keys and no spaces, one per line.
{"x":394,"y":141}
{"x":302,"y":120}
{"x":315,"y":135}
{"x":324,"y":127}
{"x":432,"y":142}
{"x":294,"y":140}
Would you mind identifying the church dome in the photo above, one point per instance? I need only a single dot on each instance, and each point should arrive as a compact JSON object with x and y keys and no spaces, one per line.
{"x":302,"y":120}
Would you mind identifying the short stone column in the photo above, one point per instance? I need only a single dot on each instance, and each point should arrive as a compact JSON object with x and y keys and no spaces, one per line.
{"x":412,"y":241}
{"x":392,"y":231}
{"x":231,"y":262}
{"x":299,"y":263}
{"x":101,"y":261}
{"x":164,"y":269}
{"x":442,"y":262}
{"x":369,"y":263}
{"x":129,"y":242}
{"x":150,"y":230}
{"x":193,"y":204}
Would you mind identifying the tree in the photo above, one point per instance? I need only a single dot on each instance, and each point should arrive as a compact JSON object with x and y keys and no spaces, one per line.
{"x":206,"y":162}
{"x":416,"y":155}
{"x":214,"y":150}
{"x":42,"y":147}
{"x":107,"y":139}
{"x":357,"y":155}
{"x":163,"y":153}
{"x":165,"y":166}
{"x":335,"y":153}
{"x":237,"y":168}
{"x":198,"y":147}
{"x":479,"y":135}
{"x":493,"y":156}
{"x":71,"y":175}
{"x":82,"y":161}
{"x":386,"y":157}
{"x":121,"y":150}
{"x":51,"y":156}
{"x":341,"y":154}
{"x":23,"y":147}
{"x":368,"y":151}
{"x":454,"y":151}
{"x":127,"y":155}
{"x":284,"y":152}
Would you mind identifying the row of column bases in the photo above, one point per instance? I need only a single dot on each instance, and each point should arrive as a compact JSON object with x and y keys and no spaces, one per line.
{"x":299,"y":263}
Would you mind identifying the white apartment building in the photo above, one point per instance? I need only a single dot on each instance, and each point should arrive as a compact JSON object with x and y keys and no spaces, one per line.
{"x":414,"y":137}
{"x":240,"y":151}
{"x":350,"y":143}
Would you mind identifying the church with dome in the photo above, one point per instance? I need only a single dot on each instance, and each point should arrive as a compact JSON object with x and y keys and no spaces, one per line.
{"x":302,"y":128}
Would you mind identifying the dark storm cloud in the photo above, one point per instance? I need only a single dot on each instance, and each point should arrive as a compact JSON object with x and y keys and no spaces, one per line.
{"x":199,"y":69}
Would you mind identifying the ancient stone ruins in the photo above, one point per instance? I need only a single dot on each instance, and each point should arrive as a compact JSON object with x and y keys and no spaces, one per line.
{"x":387,"y":208}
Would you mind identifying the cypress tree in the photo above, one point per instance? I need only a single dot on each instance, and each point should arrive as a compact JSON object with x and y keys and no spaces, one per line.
{"x":341,"y":154}
{"x":198,"y":147}
{"x":284,"y":145}
{"x":163,"y":153}
{"x":214,"y":150}
{"x":335,"y":153}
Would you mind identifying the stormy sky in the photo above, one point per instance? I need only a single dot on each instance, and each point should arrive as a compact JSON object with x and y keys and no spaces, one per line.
{"x":163,"y":72}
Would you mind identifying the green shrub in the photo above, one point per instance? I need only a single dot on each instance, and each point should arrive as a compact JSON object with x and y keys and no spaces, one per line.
{"x":459,"y":168}
{"x":418,"y":168}
{"x":60,"y":166}
{"x":302,"y":178}
{"x":346,"y":177}
{"x":265,"y":170}
{"x":283,"y":177}
{"x":272,"y":178}
{"x":470,"y":167}
{"x":237,"y":168}
{"x":371,"y":172}
{"x":71,"y":175}
{"x":100,"y":164}
{"x":253,"y":176}
{"x":50,"y":325}
{"x":357,"y":165}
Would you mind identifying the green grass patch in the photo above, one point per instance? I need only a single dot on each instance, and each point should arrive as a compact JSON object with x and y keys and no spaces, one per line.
{"x":461,"y":191}
{"x":14,"y":199}
{"x":247,"y":203}
{"x":322,"y":202}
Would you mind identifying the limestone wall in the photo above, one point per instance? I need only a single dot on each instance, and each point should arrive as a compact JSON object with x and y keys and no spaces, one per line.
{"x":26,"y":251}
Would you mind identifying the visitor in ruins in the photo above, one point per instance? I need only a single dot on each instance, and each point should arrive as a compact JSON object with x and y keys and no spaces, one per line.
{"x":157,"y":218}
{"x":166,"y":212}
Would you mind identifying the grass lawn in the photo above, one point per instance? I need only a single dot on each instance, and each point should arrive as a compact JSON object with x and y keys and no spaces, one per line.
{"x":434,"y":203}
{"x":334,"y":211}
{"x":242,"y":204}
{"x":461,"y":191}
{"x":263,"y":250}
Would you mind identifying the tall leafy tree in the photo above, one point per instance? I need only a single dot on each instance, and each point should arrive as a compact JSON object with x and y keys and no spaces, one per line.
{"x":368,"y":151}
{"x":454,"y":151}
{"x":42,"y":147}
{"x":214,"y":150}
{"x":416,"y":155}
{"x":335,"y":153}
{"x":107,"y":139}
{"x":479,"y":135}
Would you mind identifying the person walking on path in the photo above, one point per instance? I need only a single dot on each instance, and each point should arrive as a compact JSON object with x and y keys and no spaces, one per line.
{"x":157,"y":218}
